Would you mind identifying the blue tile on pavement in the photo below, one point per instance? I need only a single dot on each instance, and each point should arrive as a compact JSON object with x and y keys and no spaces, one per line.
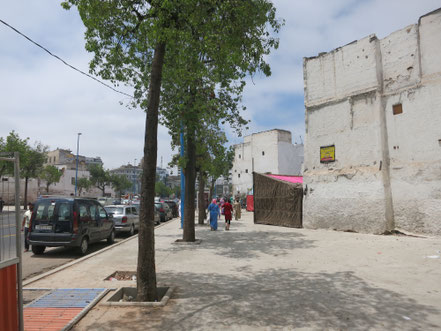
{"x":68,"y":298}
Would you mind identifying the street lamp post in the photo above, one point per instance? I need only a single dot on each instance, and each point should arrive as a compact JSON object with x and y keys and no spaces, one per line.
{"x":76,"y":167}
{"x":134,"y":177}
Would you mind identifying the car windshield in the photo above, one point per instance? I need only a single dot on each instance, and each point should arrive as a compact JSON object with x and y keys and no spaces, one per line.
{"x":114,"y":210}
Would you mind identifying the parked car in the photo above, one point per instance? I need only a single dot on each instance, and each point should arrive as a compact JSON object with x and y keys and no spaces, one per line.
{"x":173,"y":206}
{"x":105,"y":201}
{"x":70,"y":222}
{"x":165,"y":212}
{"x":126,"y":218}
{"x":157,"y":217}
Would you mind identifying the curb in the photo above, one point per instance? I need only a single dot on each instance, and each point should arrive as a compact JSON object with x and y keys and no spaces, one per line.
{"x":67,"y":265}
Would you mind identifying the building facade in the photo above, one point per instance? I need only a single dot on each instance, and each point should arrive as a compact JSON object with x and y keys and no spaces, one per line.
{"x":269,"y":151}
{"x":133,"y":174}
{"x":373,"y":137}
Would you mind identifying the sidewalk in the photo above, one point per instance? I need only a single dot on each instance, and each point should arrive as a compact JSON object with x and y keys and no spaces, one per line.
{"x":258,"y":277}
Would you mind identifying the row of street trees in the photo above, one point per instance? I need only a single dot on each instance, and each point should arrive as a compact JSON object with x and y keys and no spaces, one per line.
{"x":187,"y":61}
{"x":32,"y":165}
{"x":32,"y":160}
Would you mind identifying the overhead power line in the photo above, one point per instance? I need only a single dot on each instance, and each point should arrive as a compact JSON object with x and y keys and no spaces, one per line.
{"x":64,"y":62}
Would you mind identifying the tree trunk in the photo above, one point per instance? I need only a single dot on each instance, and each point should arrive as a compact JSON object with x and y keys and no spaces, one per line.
{"x":201,"y":199}
{"x":47,"y":187}
{"x":212,"y":188}
{"x":26,"y":193}
{"x":146,"y":270}
{"x":190,"y":181}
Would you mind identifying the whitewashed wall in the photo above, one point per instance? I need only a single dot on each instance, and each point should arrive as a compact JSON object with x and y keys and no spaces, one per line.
{"x":387,"y":172}
{"x":272,"y":151}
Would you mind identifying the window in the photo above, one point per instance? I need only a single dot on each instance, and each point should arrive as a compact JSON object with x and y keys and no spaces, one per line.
{"x":397,"y":109}
{"x":263,"y":153}
{"x":238,"y":175}
{"x":72,"y":180}
{"x":128,"y":211}
{"x":84,"y":212}
{"x":63,"y":212}
{"x":239,"y":156}
{"x":246,"y":170}
{"x":93,"y":212}
{"x":102,"y":212}
{"x":134,"y":211}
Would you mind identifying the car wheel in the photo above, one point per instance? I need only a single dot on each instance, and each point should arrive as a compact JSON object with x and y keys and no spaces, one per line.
{"x":38,"y":250}
{"x":132,"y":230}
{"x":111,"y":237}
{"x":84,"y":246}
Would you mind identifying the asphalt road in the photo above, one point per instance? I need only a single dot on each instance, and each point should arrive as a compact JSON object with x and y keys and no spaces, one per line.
{"x":33,"y":265}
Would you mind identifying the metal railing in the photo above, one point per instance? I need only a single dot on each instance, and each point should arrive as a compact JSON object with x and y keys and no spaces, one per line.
{"x":10,"y":230}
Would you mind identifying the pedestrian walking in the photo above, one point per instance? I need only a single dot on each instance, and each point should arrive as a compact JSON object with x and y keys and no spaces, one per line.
{"x":213,"y":209}
{"x":237,"y":210}
{"x":2,"y":203}
{"x":228,"y":208}
{"x":25,"y":224}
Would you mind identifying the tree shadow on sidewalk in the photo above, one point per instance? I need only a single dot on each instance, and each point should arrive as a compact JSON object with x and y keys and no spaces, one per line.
{"x":248,"y":244}
{"x":276,"y":299}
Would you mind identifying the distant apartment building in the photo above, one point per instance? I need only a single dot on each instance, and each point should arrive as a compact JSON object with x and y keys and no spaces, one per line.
{"x":269,"y":151}
{"x":373,"y":133}
{"x":133,"y":174}
{"x":67,"y":159}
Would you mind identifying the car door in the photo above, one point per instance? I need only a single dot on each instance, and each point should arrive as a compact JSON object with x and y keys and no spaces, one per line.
{"x":135,"y":217}
{"x":106,"y":223}
{"x":43,"y":221}
{"x":86,"y":224}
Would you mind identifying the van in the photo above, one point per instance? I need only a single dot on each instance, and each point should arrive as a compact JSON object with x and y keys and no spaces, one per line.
{"x":69,"y":222}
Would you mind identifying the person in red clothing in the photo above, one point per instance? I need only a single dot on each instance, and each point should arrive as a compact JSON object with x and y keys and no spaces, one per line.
{"x":228,"y":208}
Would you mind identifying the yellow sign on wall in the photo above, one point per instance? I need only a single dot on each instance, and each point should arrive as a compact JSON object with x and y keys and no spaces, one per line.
{"x":327,"y":154}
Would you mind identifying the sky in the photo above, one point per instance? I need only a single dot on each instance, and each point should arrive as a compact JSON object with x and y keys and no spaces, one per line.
{"x":50,"y":103}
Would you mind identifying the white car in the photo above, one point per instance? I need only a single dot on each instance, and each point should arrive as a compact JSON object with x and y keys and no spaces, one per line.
{"x":126,"y":218}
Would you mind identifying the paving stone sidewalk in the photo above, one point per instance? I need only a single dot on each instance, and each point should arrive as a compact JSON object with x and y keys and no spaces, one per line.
{"x":258,"y":277}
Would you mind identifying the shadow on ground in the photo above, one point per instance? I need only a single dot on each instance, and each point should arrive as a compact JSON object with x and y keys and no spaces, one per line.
{"x":245,"y":245}
{"x":273,"y":300}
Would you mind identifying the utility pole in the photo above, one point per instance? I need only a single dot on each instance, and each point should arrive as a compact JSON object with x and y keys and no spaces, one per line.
{"x":76,"y":167}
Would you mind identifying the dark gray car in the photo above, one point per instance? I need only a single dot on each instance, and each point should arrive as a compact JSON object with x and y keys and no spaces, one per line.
{"x":70,"y":222}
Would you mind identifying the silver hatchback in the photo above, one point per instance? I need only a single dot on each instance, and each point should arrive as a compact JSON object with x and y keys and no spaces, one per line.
{"x":126,"y":218}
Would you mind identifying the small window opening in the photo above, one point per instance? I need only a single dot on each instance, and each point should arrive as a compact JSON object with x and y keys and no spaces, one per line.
{"x":246,"y":170}
{"x":239,"y":156}
{"x":238,"y":175}
{"x":397,"y":109}
{"x":263,"y":153}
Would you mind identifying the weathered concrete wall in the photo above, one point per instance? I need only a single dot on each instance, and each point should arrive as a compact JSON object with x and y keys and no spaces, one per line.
{"x":290,"y":158}
{"x":268,"y":151}
{"x":387,"y":172}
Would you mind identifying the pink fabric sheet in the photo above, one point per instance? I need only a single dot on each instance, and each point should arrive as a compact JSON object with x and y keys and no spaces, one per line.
{"x":291,"y":179}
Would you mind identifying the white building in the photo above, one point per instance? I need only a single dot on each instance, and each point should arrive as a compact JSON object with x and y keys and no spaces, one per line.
{"x":373,"y":133}
{"x":269,"y":151}
{"x":133,"y":174}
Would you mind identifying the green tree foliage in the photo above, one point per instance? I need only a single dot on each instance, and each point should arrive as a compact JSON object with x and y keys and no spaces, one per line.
{"x":51,"y":175}
{"x":120,"y":183}
{"x":195,"y":46}
{"x":99,"y":177}
{"x":162,"y":190}
{"x":32,"y":158}
{"x":83,"y":184}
